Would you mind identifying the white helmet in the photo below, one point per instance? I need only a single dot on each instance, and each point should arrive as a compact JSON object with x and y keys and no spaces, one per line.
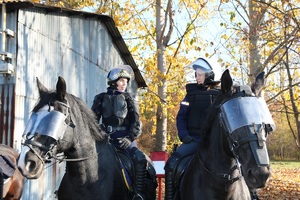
{"x":211,"y":68}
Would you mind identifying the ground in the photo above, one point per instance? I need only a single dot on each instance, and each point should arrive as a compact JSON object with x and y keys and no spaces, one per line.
{"x":284,"y":184}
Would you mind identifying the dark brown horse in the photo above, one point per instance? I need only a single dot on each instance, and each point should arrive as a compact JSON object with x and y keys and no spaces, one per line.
{"x":233,"y":156}
{"x":13,"y":180}
{"x":62,"y":124}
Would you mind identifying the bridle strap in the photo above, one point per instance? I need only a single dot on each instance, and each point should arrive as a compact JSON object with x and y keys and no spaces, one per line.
{"x":239,"y":143}
{"x":225,"y":176}
{"x":29,"y":145}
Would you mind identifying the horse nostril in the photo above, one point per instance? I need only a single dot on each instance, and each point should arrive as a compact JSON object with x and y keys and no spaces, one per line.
{"x":31,"y":165}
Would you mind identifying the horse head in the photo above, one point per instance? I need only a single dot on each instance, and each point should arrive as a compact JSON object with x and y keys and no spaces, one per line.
{"x":50,"y":131}
{"x":246,"y":122}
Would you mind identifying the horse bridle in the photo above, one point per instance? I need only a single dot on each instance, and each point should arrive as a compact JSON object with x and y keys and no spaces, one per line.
{"x":48,"y":115}
{"x":50,"y":152}
{"x":226,"y":176}
{"x":234,"y":145}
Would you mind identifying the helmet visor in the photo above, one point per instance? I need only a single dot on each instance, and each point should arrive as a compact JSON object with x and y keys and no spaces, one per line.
{"x":121,"y":71}
{"x":211,"y":68}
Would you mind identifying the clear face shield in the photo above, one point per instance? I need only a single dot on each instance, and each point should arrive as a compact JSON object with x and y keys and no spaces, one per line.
{"x":46,"y":121}
{"x":239,"y":112}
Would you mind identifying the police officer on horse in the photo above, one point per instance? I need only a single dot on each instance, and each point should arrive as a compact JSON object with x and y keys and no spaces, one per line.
{"x":191,"y":116}
{"x":120,"y":119}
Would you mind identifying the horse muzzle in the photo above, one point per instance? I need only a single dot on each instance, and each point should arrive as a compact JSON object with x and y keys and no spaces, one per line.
{"x":30,"y":165}
{"x":258,"y":177}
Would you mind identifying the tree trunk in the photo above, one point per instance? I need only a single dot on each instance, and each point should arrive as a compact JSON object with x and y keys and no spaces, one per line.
{"x":161,"y":113}
{"x":254,"y":57}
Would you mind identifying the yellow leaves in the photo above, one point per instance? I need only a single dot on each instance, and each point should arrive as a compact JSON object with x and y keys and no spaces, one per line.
{"x":224,"y":36}
{"x":74,"y":4}
{"x":271,"y":44}
{"x":147,"y":68}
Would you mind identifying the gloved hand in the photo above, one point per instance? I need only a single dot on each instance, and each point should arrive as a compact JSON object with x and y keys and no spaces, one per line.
{"x":187,"y":139}
{"x":124,"y":142}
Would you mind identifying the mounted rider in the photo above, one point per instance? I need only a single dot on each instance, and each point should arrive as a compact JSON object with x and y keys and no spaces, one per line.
{"x":120,"y":119}
{"x":192,"y":114}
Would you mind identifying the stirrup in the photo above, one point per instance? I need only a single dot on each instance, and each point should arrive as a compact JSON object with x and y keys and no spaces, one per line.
{"x":137,"y":197}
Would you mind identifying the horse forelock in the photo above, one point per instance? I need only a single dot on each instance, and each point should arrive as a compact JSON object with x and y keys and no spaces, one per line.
{"x":44,"y":99}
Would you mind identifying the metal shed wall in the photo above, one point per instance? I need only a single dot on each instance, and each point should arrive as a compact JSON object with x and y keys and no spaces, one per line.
{"x":51,"y":43}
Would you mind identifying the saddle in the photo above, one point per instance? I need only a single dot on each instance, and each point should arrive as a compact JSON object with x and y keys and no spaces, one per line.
{"x":128,"y":169}
{"x":180,"y":168}
{"x":7,"y":166}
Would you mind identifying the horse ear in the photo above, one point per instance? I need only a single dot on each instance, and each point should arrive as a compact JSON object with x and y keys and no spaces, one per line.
{"x":41,"y":87}
{"x":61,"y":88}
{"x":226,"y":81}
{"x":257,"y":86}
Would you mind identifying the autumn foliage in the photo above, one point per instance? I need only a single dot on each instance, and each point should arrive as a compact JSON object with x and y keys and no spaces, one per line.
{"x":284,"y":184}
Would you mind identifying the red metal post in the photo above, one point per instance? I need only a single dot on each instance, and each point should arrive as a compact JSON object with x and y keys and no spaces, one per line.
{"x":159,"y":159}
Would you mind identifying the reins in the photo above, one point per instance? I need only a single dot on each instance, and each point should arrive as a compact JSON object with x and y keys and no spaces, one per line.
{"x":80,"y":159}
{"x":31,"y":143}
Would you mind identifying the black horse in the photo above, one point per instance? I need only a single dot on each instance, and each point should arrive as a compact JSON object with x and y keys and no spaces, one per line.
{"x":62,"y":125}
{"x":233,"y":156}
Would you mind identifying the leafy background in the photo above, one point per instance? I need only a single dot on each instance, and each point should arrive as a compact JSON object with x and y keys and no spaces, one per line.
{"x":284,"y":183}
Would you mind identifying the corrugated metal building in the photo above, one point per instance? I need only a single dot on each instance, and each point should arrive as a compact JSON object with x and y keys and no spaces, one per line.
{"x":47,"y":42}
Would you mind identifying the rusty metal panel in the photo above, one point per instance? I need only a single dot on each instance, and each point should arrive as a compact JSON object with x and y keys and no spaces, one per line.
{"x":7,"y":113}
{"x":52,"y":44}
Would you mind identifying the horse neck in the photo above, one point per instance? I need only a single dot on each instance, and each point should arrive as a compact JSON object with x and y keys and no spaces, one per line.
{"x":239,"y":190}
{"x":223,"y":163}
{"x":83,"y":162}
{"x":221,"y":160}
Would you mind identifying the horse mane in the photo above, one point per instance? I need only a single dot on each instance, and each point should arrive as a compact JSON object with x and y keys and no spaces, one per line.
{"x":77,"y":107}
{"x":213,"y":111}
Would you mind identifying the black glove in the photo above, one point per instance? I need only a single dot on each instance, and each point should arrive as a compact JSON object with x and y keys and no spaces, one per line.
{"x":187,"y":139}
{"x":124,"y":142}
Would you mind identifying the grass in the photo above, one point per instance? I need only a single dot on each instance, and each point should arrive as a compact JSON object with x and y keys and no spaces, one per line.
{"x":285,"y":164}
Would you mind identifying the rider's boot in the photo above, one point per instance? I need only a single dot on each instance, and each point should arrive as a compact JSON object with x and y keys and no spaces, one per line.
{"x":140,"y":163}
{"x":169,"y":176}
{"x":169,"y":185}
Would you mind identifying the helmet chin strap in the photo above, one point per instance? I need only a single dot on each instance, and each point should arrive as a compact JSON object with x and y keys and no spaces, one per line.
{"x":201,"y":85}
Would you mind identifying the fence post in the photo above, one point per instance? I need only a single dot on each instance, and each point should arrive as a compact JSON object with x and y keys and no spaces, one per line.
{"x":159,"y":159}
